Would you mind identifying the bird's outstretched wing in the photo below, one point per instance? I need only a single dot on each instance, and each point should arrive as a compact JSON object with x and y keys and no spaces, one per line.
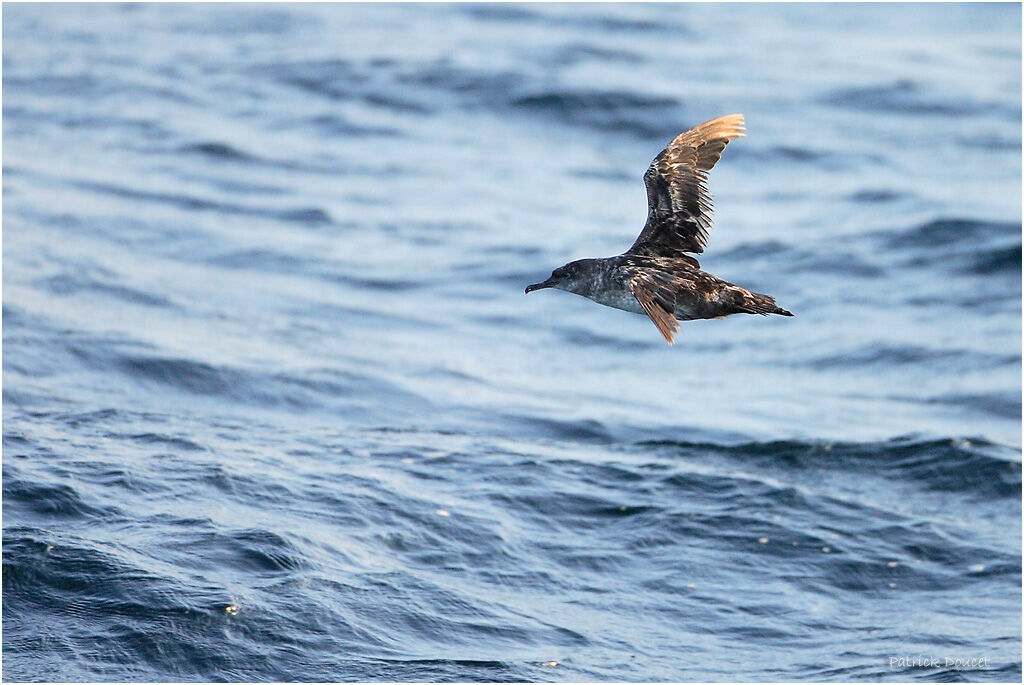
{"x":656,"y":295}
{"x":678,"y":201}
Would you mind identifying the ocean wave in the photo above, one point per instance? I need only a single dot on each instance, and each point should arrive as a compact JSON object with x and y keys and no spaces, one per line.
{"x":307,"y":391}
{"x":483,"y":85}
{"x":1003,"y":404}
{"x":943,"y":232}
{"x":597,"y":20}
{"x":884,"y":355}
{"x":876,"y":196}
{"x":300,"y":390}
{"x":218,"y":150}
{"x":35,"y":501}
{"x":640,"y":114}
{"x":790,"y":258}
{"x":306,"y":215}
{"x":999,"y":260}
{"x":72,"y":284}
{"x":908,"y":97}
{"x":971,"y":465}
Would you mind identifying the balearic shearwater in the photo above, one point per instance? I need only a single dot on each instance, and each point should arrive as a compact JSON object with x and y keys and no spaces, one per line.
{"x":655,"y":276}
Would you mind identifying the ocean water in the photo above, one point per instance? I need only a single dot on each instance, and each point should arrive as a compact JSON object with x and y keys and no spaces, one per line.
{"x":275,"y":406}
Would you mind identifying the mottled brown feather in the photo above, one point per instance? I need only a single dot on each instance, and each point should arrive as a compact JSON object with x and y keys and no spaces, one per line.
{"x":679,"y":209}
{"x":657,"y":296}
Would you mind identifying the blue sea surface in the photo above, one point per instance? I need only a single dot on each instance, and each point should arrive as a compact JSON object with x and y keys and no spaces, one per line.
{"x":275,"y":406}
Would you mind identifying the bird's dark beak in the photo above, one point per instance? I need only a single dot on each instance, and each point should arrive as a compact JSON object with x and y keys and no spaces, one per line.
{"x":538,"y":286}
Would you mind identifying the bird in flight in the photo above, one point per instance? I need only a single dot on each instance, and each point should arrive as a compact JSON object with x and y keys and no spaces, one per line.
{"x":657,"y":276}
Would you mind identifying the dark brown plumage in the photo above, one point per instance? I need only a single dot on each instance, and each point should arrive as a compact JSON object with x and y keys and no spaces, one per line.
{"x":656,"y":276}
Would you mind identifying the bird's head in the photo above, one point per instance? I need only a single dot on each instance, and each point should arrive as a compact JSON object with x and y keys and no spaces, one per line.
{"x":575,"y":277}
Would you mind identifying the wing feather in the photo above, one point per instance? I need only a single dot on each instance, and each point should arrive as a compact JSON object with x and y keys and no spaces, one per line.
{"x":658,"y":299}
{"x":679,"y":208}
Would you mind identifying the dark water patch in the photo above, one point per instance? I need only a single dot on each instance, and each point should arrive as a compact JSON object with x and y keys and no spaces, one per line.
{"x":993,"y":299}
{"x":306,"y":390}
{"x":616,"y":24}
{"x":60,"y":567}
{"x":765,"y":248}
{"x":333,"y":125}
{"x":577,"y":511}
{"x":185,"y":374}
{"x":128,"y":231}
{"x":361,"y":316}
{"x":35,"y":359}
{"x":251,"y":22}
{"x":972,"y":466}
{"x":345,"y":80}
{"x":884,"y":355}
{"x":261,"y":260}
{"x":797,"y":154}
{"x":245,"y":187}
{"x":189,"y":202}
{"x":969,"y":466}
{"x":395,"y":103}
{"x":70,"y":284}
{"x":441,"y":670}
{"x":848,"y":264}
{"x":499,"y":12}
{"x":383,"y":284}
{"x":258,"y":551}
{"x":474,"y":87}
{"x":517,"y":249}
{"x":173,"y":442}
{"x":456,"y":375}
{"x":81,"y":86}
{"x":905,"y":97}
{"x":989,"y":250}
{"x":796,"y":259}
{"x":991,"y":142}
{"x":940,"y":233}
{"x":586,"y":430}
{"x":15,"y":440}
{"x":140,"y":128}
{"x":439,"y":228}
{"x":326,"y":165}
{"x":516,"y":279}
{"x":616,"y":111}
{"x":575,"y":53}
{"x":216,"y":150}
{"x":331,"y":78}
{"x":331,"y":383}
{"x":27,"y":500}
{"x":833,"y":159}
{"x":1006,"y":405}
{"x":581,"y":336}
{"x":313,"y":216}
{"x":997,"y":261}
{"x":605,"y":108}
{"x":92,"y":417}
{"x":875,"y":196}
{"x":610,"y":175}
{"x":589,"y":21}
{"x":91,"y":87}
{"x":89,"y":593}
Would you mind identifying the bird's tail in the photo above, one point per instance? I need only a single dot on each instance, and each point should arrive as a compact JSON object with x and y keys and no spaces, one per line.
{"x":756,"y":303}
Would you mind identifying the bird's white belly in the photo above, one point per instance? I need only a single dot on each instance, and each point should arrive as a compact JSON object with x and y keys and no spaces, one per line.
{"x":619,"y":299}
{"x":624,"y":300}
